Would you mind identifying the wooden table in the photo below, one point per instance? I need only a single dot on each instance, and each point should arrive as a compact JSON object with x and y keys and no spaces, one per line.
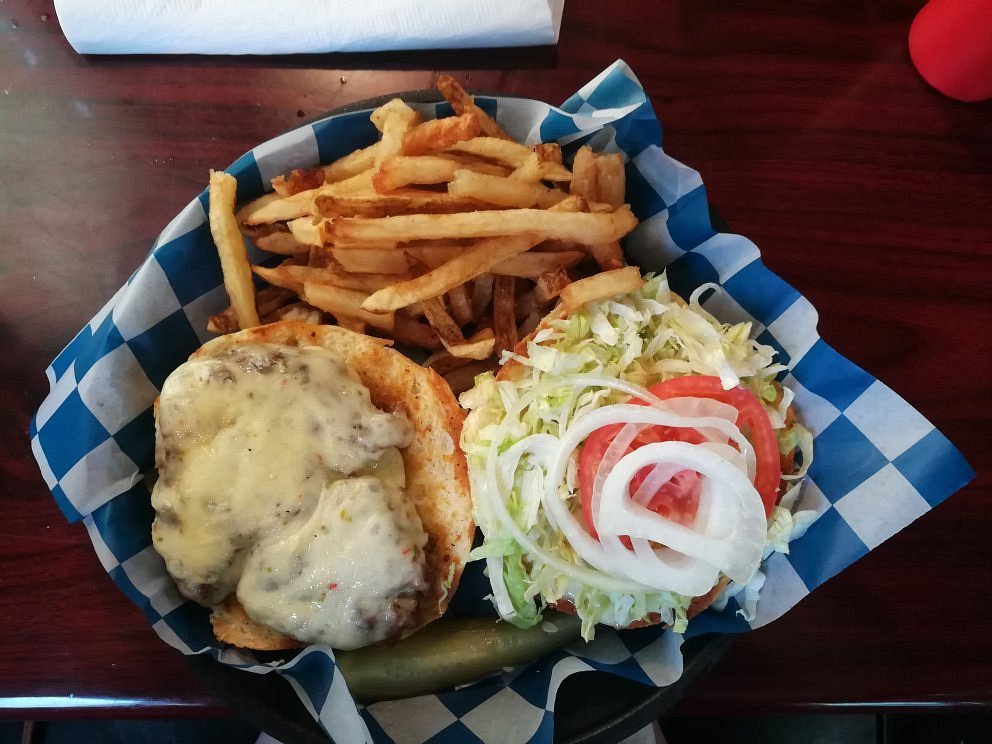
{"x":864,"y":188}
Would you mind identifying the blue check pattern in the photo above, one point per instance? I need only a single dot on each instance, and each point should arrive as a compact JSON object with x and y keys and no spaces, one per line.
{"x":879,"y":464}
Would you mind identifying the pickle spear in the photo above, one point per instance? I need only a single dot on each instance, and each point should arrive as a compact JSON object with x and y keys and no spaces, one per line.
{"x":450,"y":652}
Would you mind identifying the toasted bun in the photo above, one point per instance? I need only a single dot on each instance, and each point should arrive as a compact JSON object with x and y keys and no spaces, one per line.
{"x":436,"y":473}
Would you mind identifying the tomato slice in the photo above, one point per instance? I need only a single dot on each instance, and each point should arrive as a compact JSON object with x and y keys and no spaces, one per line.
{"x":678,"y":499}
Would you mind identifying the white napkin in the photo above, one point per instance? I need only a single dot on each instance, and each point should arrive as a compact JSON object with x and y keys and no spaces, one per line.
{"x":296,"y":26}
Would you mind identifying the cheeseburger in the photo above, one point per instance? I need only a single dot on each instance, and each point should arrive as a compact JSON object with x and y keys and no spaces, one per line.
{"x":310,"y":488}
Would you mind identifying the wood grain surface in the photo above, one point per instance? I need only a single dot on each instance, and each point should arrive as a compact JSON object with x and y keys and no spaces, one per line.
{"x":865,"y":189}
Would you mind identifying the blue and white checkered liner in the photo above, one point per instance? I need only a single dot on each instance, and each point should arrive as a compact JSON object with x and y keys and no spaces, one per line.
{"x":879,"y":464}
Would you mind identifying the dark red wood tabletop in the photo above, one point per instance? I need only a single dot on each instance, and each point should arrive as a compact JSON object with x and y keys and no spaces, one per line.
{"x":865,"y":189}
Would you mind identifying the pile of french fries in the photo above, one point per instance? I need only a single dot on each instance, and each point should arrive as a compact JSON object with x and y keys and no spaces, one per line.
{"x":445,"y":235}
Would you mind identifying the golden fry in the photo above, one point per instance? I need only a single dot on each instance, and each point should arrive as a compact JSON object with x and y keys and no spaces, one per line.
{"x":298,"y":180}
{"x":584,"y":175}
{"x":460,"y":269}
{"x":504,"y":316}
{"x":460,"y":304}
{"x":306,"y":231}
{"x":531,"y":265}
{"x":231,"y":248}
{"x":302,"y":204}
{"x":372,"y":260}
{"x":534,"y":169}
{"x":482,"y":293}
{"x":500,"y":192}
{"x":394,"y":119}
{"x":607,"y":255}
{"x":551,"y":284}
{"x":447,"y":329}
{"x":463,"y":103}
{"x":351,"y":164}
{"x":294,"y":277}
{"x":345,"y":302}
{"x":493,"y":148}
{"x":398,"y":202}
{"x":601,"y":286}
{"x":611,"y":180}
{"x":480,"y":346}
{"x":438,"y":135}
{"x":412,"y":332}
{"x":421,"y":169}
{"x":282,"y":243}
{"x":590,"y":229}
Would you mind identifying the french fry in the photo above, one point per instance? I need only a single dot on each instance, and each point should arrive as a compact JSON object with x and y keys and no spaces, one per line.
{"x":345,"y":302}
{"x":438,"y":135}
{"x":300,"y":311}
{"x":306,"y":231}
{"x":493,"y":148}
{"x":447,"y":329}
{"x":590,"y":229}
{"x":600,"y":287}
{"x":322,"y":257}
{"x":551,"y":284}
{"x":294,"y":277}
{"x":584,"y":174}
{"x":255,"y":205}
{"x":460,"y":269}
{"x":527,"y":304}
{"x":351,"y":324}
{"x":299,"y":179}
{"x":283,"y":243}
{"x":231,"y":248}
{"x":534,"y":169}
{"x":500,"y":192}
{"x":463,"y":103}
{"x":409,"y":331}
{"x":504,"y":317}
{"x":482,"y":293}
{"x":548,"y":152}
{"x":302,"y":204}
{"x":443,"y":362}
{"x":351,"y":164}
{"x":371,"y":260}
{"x":460,"y":304}
{"x":573,"y":203}
{"x":421,"y":169}
{"x":477,"y":165}
{"x":463,"y":378}
{"x":267,"y":300}
{"x":531,"y":265}
{"x":607,"y":255}
{"x":480,"y":346}
{"x":611,"y":179}
{"x":394,"y":119}
{"x":398,"y":202}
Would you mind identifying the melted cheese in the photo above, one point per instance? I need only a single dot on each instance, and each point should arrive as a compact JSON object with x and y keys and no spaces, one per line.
{"x":348,"y":576}
{"x":253,"y":445}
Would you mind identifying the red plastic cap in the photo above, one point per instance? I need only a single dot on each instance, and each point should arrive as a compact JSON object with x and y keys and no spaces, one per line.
{"x":950,"y":43}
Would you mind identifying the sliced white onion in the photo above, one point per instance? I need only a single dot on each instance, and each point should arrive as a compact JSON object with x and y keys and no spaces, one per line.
{"x":660,"y":474}
{"x":731,"y":544}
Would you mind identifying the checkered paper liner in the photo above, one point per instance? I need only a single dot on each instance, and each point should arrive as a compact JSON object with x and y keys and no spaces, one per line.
{"x":879,"y":464}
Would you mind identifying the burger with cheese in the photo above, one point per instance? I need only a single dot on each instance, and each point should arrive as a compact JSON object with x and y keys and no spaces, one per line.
{"x":310,"y":488}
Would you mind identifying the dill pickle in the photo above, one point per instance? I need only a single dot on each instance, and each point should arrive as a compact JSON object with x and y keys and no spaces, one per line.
{"x":450,"y":652}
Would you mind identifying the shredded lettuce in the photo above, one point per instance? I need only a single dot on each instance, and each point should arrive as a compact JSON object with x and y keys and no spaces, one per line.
{"x":645,"y":337}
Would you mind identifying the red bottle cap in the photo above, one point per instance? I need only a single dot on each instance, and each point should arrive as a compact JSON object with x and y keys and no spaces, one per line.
{"x":950,"y":43}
